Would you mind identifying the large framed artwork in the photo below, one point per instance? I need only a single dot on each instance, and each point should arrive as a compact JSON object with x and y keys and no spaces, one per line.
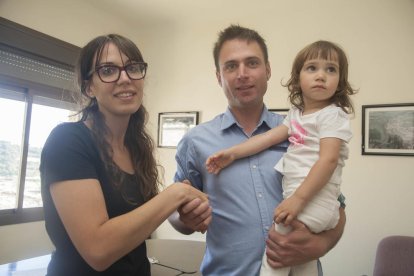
{"x":388,"y":129}
{"x":173,"y":125}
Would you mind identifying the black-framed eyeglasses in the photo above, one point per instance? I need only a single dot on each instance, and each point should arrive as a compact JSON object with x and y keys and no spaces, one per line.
{"x":111,"y":73}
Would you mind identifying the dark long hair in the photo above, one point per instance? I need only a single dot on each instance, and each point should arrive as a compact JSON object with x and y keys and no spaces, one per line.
{"x":137,"y":140}
{"x":329,"y":51}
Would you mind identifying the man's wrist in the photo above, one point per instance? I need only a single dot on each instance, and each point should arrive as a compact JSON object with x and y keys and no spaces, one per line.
{"x":322,"y":245}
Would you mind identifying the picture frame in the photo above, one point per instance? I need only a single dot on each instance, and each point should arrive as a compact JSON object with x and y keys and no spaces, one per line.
{"x":173,"y":125}
{"x":280,"y":111}
{"x":388,"y":129}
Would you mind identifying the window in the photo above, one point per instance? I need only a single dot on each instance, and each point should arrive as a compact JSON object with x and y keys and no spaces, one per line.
{"x":16,"y":121}
{"x":44,"y":118}
{"x":10,"y":148}
{"x":36,"y":86}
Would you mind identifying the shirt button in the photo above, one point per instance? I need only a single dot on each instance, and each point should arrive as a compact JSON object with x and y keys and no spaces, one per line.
{"x":260,"y":195}
{"x":254,"y":166}
{"x":267,"y":228}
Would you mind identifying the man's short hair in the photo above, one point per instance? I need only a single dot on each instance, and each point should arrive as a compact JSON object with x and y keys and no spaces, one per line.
{"x":238,"y":32}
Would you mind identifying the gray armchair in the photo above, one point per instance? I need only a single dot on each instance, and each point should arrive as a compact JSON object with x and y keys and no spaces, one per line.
{"x":395,"y":257}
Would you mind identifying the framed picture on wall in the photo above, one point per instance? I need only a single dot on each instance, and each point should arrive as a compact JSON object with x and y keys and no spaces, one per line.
{"x":173,"y":125}
{"x":388,"y":129}
{"x":281,"y":111}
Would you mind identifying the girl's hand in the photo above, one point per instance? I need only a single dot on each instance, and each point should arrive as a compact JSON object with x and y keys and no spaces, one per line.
{"x":289,"y":209}
{"x":219,"y":161}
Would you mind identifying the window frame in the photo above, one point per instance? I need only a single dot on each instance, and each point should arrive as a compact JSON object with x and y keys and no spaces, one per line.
{"x":46,"y":49}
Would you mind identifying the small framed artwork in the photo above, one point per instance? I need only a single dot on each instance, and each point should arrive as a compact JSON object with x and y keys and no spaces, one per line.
{"x":173,"y":125}
{"x":280,"y":111}
{"x":388,"y":129}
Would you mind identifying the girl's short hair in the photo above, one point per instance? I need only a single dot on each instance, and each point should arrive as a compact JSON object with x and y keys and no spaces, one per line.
{"x":328,"y":51}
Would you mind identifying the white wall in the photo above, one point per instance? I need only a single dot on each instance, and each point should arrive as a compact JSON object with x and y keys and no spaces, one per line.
{"x":377,"y":36}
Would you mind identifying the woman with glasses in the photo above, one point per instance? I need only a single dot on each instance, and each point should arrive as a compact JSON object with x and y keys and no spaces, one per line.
{"x":100,"y":183}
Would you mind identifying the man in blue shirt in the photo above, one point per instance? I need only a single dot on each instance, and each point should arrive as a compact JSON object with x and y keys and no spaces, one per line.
{"x":242,"y":197}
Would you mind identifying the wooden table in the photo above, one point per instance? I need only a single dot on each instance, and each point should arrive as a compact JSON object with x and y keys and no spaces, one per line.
{"x":168,"y":257}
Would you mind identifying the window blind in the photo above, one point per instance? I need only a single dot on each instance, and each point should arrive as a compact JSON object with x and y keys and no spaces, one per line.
{"x":23,"y":67}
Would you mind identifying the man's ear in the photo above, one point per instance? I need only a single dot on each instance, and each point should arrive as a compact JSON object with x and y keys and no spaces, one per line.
{"x":268,"y":71}
{"x":218,"y":77}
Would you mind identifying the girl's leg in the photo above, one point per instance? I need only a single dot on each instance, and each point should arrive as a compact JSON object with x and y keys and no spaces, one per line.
{"x":266,"y":269}
{"x":307,"y":269}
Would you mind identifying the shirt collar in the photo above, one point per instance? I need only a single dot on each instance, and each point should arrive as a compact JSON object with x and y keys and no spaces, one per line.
{"x":266,"y":117}
{"x":229,"y":120}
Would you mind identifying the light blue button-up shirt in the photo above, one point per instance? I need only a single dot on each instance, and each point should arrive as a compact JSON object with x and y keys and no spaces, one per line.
{"x":242,"y":196}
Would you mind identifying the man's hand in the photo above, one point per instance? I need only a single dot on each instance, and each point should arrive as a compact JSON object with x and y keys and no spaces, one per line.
{"x":297,"y":247}
{"x":300,"y":245}
{"x":196,"y":215}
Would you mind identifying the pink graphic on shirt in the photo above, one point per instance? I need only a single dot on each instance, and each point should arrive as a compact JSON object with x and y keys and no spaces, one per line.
{"x":297,"y":134}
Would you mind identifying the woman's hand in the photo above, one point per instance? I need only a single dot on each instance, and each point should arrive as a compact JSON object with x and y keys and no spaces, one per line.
{"x":189,"y":192}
